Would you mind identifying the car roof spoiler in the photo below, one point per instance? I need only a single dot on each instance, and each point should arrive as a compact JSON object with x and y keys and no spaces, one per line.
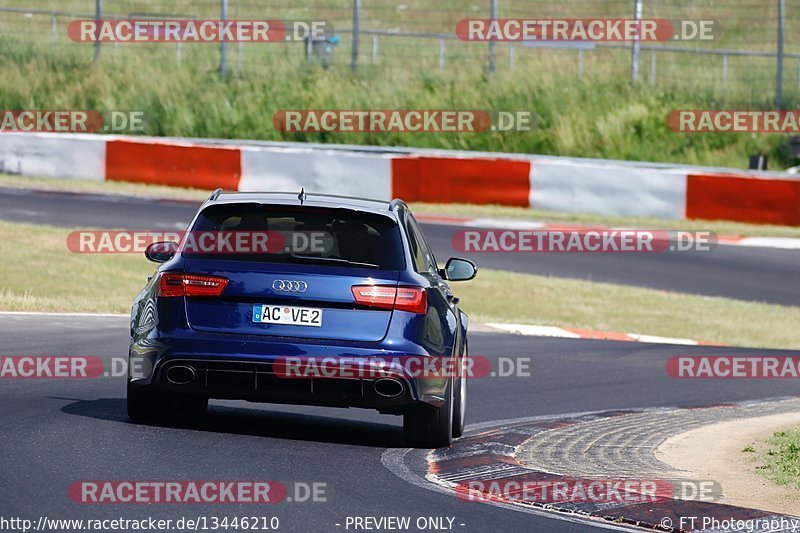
{"x":215,"y":195}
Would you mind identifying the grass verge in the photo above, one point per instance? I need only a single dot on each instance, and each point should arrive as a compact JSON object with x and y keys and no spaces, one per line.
{"x":781,"y":460}
{"x":45,"y":276}
{"x":720,"y":227}
{"x":603,"y":115}
{"x":103,"y":187}
{"x":523,"y":298}
{"x":41,"y":274}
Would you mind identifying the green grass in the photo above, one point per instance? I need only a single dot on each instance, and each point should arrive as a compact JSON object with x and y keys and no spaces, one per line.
{"x":46,"y":276}
{"x":523,"y":298}
{"x":781,"y":460}
{"x":464,"y":210}
{"x":602,"y":116}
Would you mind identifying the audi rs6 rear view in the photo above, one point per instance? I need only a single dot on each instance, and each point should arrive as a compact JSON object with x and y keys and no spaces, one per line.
{"x":341,"y":279}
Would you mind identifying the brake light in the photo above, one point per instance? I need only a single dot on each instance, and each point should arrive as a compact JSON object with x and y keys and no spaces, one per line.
{"x":412,"y":299}
{"x":173,"y":284}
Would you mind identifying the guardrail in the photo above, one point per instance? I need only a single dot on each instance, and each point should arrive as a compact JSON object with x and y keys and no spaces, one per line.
{"x":542,"y":182}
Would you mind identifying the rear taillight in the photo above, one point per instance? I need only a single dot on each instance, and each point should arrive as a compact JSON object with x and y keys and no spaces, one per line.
{"x":172,"y":284}
{"x":413,"y":299}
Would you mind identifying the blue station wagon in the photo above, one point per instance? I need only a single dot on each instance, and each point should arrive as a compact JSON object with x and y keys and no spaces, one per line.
{"x":367,"y":290}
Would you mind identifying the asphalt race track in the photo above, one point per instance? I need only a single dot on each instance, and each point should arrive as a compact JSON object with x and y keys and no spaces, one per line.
{"x":61,"y":431}
{"x":58,"y":432}
{"x":753,"y":274}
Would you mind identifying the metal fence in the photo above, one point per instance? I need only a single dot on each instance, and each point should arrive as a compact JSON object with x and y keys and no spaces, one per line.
{"x":755,"y":53}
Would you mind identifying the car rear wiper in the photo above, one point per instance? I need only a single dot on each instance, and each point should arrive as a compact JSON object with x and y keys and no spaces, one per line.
{"x":338,"y":260}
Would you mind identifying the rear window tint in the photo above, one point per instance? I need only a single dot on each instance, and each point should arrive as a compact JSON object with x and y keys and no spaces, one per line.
{"x":333,"y":237}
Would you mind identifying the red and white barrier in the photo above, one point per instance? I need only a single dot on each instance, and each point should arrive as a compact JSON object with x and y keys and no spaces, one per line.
{"x":542,"y":182}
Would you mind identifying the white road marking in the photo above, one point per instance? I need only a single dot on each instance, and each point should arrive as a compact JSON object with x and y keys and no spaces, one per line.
{"x":553,"y":331}
{"x":533,"y":330}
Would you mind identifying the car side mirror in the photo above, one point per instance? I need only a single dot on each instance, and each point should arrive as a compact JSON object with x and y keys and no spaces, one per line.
{"x":161,"y":252}
{"x":459,"y":270}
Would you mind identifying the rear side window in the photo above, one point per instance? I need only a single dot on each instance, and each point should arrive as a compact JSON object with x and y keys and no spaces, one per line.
{"x":422,"y":255}
{"x":333,"y":237}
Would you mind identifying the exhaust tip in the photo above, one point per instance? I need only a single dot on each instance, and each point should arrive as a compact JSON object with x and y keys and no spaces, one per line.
{"x":181,"y":374}
{"x":389,"y":387}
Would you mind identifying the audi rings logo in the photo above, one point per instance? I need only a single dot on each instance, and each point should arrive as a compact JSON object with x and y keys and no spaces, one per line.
{"x":289,"y":285}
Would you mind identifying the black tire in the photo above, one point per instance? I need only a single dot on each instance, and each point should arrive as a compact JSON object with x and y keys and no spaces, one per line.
{"x":147,"y":405}
{"x":425,"y":426}
{"x":460,"y":398}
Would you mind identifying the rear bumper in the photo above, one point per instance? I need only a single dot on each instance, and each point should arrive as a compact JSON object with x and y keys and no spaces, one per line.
{"x":259,"y":382}
{"x":219,"y":367}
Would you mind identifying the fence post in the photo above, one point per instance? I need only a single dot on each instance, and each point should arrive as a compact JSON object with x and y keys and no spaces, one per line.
{"x":652,"y":67}
{"x":53,"y":28}
{"x":580,"y":64}
{"x":223,"y":45}
{"x":98,"y":16}
{"x":441,"y":54}
{"x":374,"y":49}
{"x":724,"y":72}
{"x":179,"y":52}
{"x":356,"y":23}
{"x":492,"y":44}
{"x":779,"y":74}
{"x":637,"y":16}
{"x":511,"y":53}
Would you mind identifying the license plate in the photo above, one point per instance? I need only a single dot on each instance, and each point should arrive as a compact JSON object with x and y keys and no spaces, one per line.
{"x":283,"y":314}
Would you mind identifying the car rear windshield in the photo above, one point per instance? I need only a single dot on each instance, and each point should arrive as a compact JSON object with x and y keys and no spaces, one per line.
{"x":297,"y":234}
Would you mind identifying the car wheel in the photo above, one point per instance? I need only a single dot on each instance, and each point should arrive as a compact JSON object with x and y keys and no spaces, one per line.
{"x":147,"y":405}
{"x":425,"y":426}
